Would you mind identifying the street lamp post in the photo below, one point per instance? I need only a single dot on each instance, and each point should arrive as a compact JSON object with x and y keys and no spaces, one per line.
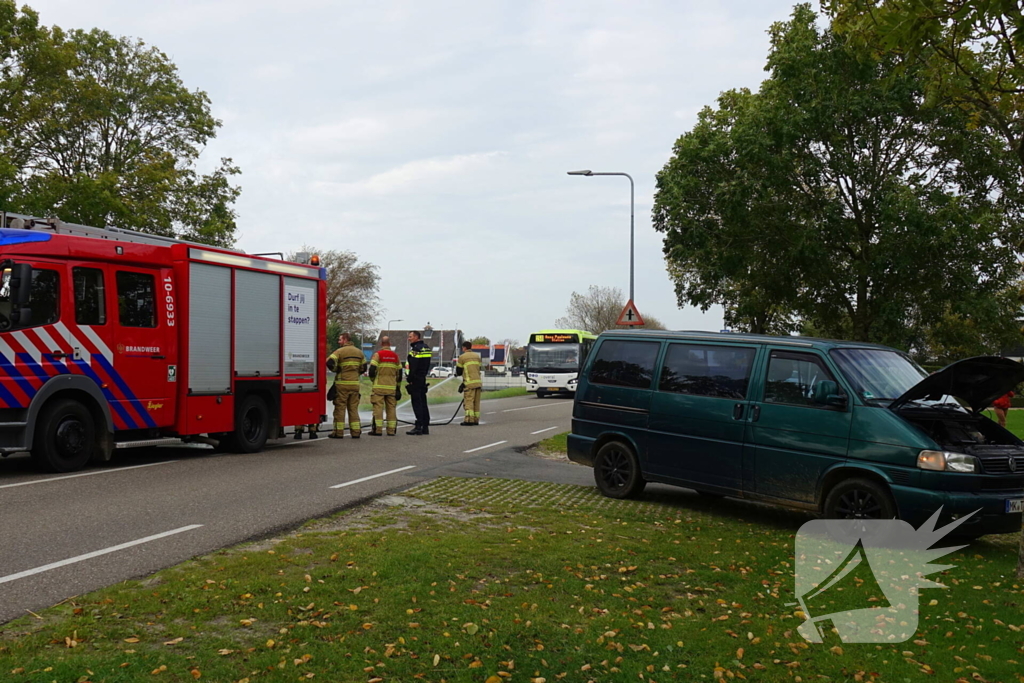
{"x":631,"y":192}
{"x":396,"y":320}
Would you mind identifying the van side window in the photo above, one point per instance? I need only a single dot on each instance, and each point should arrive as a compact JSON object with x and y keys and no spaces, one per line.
{"x":625,"y":363}
{"x":719,"y":371}
{"x":90,"y":305}
{"x":136,"y":302}
{"x":793,"y":377}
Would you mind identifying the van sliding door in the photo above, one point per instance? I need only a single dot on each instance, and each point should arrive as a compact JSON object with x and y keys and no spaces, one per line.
{"x":698,"y":414}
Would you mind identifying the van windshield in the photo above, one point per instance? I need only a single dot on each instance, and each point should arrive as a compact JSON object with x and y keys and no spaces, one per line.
{"x":878,"y":375}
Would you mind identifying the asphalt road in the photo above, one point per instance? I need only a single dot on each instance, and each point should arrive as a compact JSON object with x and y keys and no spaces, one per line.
{"x":64,"y":535}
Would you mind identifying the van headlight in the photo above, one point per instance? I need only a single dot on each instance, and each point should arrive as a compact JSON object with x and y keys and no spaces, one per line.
{"x":573,"y":381}
{"x":530,"y":381}
{"x":942,"y":461}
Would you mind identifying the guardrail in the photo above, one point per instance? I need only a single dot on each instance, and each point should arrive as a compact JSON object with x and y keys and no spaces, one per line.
{"x":496,"y":382}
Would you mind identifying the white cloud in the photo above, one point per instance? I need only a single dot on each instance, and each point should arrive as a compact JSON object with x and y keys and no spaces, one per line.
{"x":433,"y":138}
{"x":415,"y":176}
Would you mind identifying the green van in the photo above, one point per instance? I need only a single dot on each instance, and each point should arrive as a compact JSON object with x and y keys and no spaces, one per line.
{"x":844,"y":429}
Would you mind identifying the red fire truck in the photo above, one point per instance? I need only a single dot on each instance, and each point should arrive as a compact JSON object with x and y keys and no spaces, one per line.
{"x":112,"y":339}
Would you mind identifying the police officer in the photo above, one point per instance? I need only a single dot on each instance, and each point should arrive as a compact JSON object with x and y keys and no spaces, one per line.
{"x":386,"y":373}
{"x":349,"y":363}
{"x":468,"y":367}
{"x":419,"y":366}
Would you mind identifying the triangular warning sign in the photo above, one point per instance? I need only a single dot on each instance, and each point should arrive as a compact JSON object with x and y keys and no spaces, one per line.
{"x":629,"y":315}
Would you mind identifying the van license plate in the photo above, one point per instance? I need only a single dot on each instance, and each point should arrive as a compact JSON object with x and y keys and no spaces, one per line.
{"x":1015,"y":505}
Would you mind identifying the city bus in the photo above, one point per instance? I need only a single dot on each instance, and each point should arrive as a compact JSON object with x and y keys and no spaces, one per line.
{"x":554,"y":359}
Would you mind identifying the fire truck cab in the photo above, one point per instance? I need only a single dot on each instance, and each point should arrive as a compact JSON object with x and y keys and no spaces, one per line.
{"x":113,"y":339}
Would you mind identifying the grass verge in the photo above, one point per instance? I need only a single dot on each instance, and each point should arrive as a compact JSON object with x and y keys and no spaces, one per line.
{"x":555,"y":445}
{"x":489,"y":580}
{"x":455,"y":398}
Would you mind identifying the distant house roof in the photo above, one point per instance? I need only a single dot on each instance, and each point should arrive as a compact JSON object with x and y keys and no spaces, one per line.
{"x":443,"y":343}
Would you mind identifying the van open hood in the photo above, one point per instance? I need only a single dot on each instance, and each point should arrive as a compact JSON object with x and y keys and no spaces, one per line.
{"x":977,"y":381}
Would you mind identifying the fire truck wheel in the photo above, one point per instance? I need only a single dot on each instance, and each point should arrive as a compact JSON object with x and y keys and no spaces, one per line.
{"x":251,"y":427}
{"x":65,"y":438}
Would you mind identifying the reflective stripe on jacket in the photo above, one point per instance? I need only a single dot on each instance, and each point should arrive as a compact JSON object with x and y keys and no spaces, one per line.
{"x":349,"y":363}
{"x":470,"y":364}
{"x":419,"y":362}
{"x":386,"y":371}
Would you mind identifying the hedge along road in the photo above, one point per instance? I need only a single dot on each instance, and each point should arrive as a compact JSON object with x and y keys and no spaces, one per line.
{"x":68,"y":534}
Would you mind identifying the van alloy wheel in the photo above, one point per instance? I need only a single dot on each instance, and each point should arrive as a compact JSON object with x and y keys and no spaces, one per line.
{"x":858,"y":504}
{"x":617,"y":471}
{"x":860,"y":499}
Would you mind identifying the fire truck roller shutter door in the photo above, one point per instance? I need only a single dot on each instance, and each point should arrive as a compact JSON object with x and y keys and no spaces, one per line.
{"x":209,"y":330}
{"x":257,"y":317}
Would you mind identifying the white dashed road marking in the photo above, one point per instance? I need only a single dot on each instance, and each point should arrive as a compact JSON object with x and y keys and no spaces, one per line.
{"x":512,"y":410}
{"x":86,"y":474}
{"x":96,"y":553}
{"x":541,"y":431}
{"x":480,"y":448}
{"x":372,"y":476}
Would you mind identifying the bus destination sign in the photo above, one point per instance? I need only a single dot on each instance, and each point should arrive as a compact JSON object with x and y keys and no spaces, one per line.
{"x":558,"y":338}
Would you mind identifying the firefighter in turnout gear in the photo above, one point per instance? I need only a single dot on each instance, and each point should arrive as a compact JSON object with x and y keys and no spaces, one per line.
{"x":419,"y":366}
{"x":300,"y":428}
{"x":349,"y":363}
{"x":468,"y":367}
{"x":386,"y":373}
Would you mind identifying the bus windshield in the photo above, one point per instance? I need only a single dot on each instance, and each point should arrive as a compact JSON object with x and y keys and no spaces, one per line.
{"x":553,"y":358}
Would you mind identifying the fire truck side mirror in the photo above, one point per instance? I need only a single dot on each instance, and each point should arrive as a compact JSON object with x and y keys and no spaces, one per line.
{"x":21,"y":284}
{"x":21,"y":317}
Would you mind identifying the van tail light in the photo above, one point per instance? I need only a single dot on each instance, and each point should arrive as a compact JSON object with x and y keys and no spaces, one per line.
{"x":942,"y":461}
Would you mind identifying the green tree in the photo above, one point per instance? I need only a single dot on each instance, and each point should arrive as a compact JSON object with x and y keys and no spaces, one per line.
{"x":835,"y":196}
{"x":971,"y":57}
{"x":100,"y":130}
{"x":481,"y":340}
{"x":969,"y":53}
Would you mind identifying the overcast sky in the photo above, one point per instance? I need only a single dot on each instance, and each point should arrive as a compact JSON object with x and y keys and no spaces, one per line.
{"x":433,"y":138}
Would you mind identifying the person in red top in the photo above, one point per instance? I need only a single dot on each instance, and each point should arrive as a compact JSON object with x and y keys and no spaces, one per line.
{"x":1001,"y":405}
